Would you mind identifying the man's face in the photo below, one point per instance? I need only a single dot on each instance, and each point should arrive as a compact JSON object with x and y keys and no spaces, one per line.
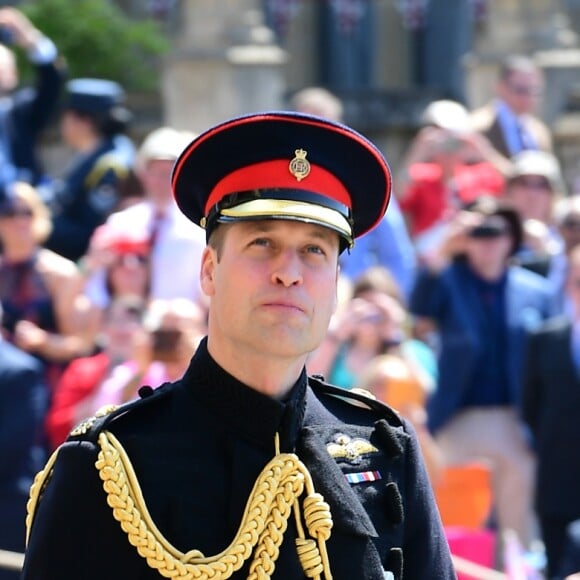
{"x":272,"y":289}
{"x":521,"y":91}
{"x":74,"y":128}
{"x":532,"y":196}
{"x":570,"y":230}
{"x":484,"y":253}
{"x":156,"y":179}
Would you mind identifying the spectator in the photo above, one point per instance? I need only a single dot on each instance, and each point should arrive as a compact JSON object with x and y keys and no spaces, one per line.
{"x":481,"y":310}
{"x":72,"y":401}
{"x":446,"y":166}
{"x":567,"y":220}
{"x":22,"y":408}
{"x":318,"y":101}
{"x":26,"y":112}
{"x":552,"y":410}
{"x":130,"y":190}
{"x":116,"y":264}
{"x":534,"y":188}
{"x":389,"y":244}
{"x":371,"y":325}
{"x":158,"y":220}
{"x":44,"y":310}
{"x":509,"y":121}
{"x":392,"y":379}
{"x":93,"y":125}
{"x":172,"y":328}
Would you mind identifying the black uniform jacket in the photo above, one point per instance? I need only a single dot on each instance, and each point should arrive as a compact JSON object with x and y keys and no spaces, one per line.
{"x":197,"y":447}
{"x":551,"y":408}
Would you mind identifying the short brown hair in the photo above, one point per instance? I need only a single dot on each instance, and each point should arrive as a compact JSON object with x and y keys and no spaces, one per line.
{"x":217,"y":238}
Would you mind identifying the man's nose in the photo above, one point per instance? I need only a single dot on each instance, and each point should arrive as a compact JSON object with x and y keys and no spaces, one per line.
{"x":288,"y":270}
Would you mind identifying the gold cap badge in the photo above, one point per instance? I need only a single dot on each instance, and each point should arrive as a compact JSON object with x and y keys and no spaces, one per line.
{"x":299,"y":166}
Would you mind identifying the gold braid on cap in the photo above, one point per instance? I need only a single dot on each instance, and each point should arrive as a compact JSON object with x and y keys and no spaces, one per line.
{"x":274,"y":496}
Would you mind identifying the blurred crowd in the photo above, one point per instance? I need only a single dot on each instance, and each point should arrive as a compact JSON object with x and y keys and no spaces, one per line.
{"x":461,"y":310}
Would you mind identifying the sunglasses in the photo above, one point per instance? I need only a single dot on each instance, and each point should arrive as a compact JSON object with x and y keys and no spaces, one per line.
{"x":533,"y":182}
{"x":571,"y":224}
{"x":14,"y":212}
{"x":525,"y":90}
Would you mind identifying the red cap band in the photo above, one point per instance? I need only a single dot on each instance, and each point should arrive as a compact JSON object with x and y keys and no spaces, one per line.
{"x":275,"y":174}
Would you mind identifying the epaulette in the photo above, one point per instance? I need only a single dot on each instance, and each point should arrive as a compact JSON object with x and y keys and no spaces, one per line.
{"x":105,"y":164}
{"x":356,"y":396}
{"x":88,"y":429}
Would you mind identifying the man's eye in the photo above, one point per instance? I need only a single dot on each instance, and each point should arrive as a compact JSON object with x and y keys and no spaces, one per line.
{"x":260,"y":242}
{"x":313,"y":249}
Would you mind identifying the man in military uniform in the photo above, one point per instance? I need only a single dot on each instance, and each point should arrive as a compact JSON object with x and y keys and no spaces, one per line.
{"x":93,"y":124}
{"x":247,"y":467}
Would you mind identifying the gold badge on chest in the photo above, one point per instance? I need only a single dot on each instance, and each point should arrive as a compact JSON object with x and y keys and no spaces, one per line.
{"x":350,"y":449}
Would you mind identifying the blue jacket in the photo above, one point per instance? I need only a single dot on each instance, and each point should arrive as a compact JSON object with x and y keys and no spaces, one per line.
{"x":22,"y":409}
{"x":88,"y":194}
{"x":388,"y":245}
{"x":451,"y":302}
{"x":31,"y":110}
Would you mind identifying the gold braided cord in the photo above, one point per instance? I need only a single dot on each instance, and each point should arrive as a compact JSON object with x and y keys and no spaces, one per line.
{"x":275,"y":494}
{"x":38,"y":486}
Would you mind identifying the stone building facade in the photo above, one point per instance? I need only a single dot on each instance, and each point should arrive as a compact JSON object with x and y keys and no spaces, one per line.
{"x":386,"y":59}
{"x":383,"y":59}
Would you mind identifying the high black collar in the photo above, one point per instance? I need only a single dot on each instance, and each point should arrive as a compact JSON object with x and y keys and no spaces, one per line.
{"x":247,"y":411}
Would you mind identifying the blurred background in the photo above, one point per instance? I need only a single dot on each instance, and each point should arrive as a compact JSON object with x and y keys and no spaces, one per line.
{"x":191,"y":63}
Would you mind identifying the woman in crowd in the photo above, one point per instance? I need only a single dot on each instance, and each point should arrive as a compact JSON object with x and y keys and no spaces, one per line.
{"x":161,"y":351}
{"x":72,"y":401}
{"x":371,"y":324}
{"x":94,"y":124}
{"x":117,"y":264}
{"x":45,"y":312}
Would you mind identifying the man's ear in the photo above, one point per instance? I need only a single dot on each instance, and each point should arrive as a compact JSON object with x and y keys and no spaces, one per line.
{"x":207,"y":271}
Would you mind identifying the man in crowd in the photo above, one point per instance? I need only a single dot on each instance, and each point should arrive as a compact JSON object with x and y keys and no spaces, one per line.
{"x":24,"y":113}
{"x":481,"y":309}
{"x":510,"y":121}
{"x":157,"y":219}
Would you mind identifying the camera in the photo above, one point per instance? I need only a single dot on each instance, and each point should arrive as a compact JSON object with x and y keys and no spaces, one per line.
{"x":165,"y":344}
{"x":488,"y":230}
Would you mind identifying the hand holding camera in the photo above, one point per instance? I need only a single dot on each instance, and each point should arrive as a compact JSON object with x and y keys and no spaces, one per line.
{"x":456,"y":237}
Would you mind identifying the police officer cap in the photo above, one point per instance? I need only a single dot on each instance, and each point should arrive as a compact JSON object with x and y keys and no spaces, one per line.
{"x":93,"y":95}
{"x":283,"y":165}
